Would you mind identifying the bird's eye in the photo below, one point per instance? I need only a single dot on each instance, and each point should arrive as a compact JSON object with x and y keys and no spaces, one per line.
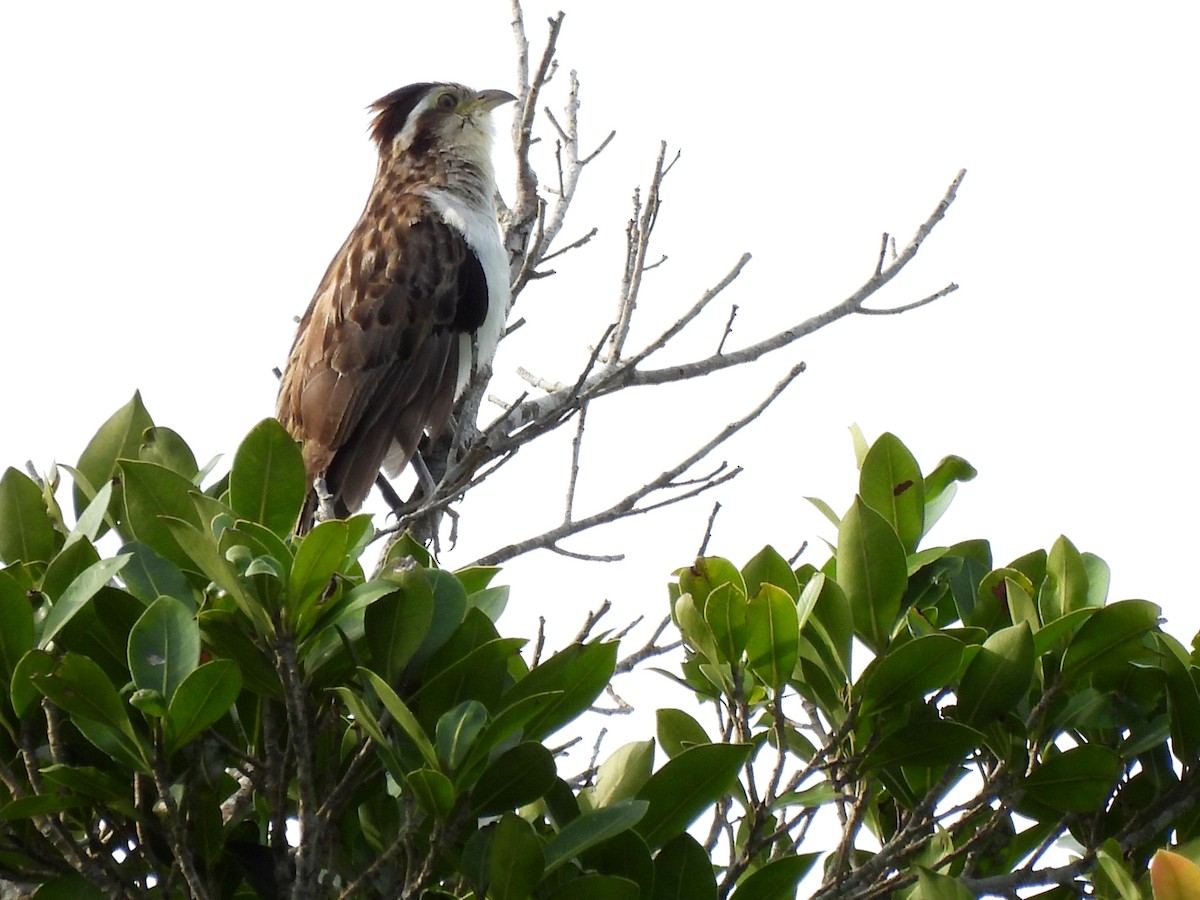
{"x":447,"y":101}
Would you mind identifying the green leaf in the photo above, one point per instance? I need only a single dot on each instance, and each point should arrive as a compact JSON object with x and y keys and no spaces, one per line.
{"x":592,"y":828}
{"x":580,"y":672}
{"x":909,"y":672}
{"x":26,"y":532}
{"x":622,"y":775}
{"x":164,"y":647}
{"x":624,"y":855}
{"x":678,"y":731}
{"x":934,"y":886}
{"x":317,"y":558}
{"x":396,"y":625}
{"x":1077,"y":780}
{"x":516,"y":777}
{"x":1183,"y":700}
{"x":166,"y":448}
{"x":203,"y":554}
{"x":686,"y":786}
{"x":597,"y":887}
{"x":80,"y":687}
{"x":873,"y":571}
{"x":772,"y":635}
{"x":201,"y":699}
{"x":683,"y":871}
{"x":457,"y":730}
{"x":434,"y":791}
{"x":88,"y":525}
{"x":940,"y":486}
{"x":118,"y":438}
{"x":23,"y":693}
{"x":725,"y":614}
{"x":932,"y":743}
{"x":267,"y":483}
{"x":151,"y":494}
{"x":149,"y":576}
{"x":707,"y":573}
{"x":1110,"y":638}
{"x":777,"y":879}
{"x":998,"y":677}
{"x":826,"y":510}
{"x":516,"y":862}
{"x":68,"y":887}
{"x":1065,"y":588}
{"x":16,"y":624}
{"x":769,"y":567}
{"x":890,"y":483}
{"x":696,"y":633}
{"x":449,"y":612}
{"x":403,"y":716}
{"x":79,"y":592}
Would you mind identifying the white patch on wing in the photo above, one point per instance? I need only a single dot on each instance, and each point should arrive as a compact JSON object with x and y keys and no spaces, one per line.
{"x":482,"y":233}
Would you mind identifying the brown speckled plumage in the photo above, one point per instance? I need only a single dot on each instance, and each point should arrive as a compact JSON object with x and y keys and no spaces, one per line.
{"x":376,"y":359}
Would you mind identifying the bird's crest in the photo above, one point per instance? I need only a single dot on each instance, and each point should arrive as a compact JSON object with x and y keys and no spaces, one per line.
{"x":392,"y":111}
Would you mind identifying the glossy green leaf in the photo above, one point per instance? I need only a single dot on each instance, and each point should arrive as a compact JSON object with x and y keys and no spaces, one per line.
{"x":998,"y":676}
{"x":26,"y":530}
{"x":826,"y":510}
{"x":317,"y":558}
{"x":683,"y":871}
{"x":77,"y":593}
{"x":1078,"y":780}
{"x":449,"y":611}
{"x":516,"y":777}
{"x":205,"y":695}
{"x":772,"y":635}
{"x":457,"y":730}
{"x":779,"y":878}
{"x":769,"y":567}
{"x":80,"y":687}
{"x":686,"y":786}
{"x":935,"y":886}
{"x":624,"y":855}
{"x":580,"y":672}
{"x":940,"y":486}
{"x":151,"y":495}
{"x":890,"y":482}
{"x":1110,"y":638}
{"x":909,"y":672}
{"x":149,"y":576}
{"x":90,"y":521}
{"x":932,"y":743}
{"x":677,"y":731}
{"x":164,"y":647}
{"x":434,"y":791}
{"x":696,"y":633}
{"x":396,"y":625}
{"x":597,"y":887}
{"x":403,"y":716}
{"x":1065,"y":588}
{"x":1183,"y":700}
{"x":23,"y":692}
{"x":118,"y":438}
{"x":516,"y":861}
{"x":267,"y":483}
{"x":166,"y":448}
{"x":204,"y":555}
{"x":593,"y":828}
{"x":725,"y":614}
{"x":873,"y":571}
{"x":707,"y":573}
{"x":622,"y":775}
{"x":16,"y":624}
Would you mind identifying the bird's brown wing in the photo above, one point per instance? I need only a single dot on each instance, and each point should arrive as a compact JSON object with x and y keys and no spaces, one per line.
{"x":375,"y":359}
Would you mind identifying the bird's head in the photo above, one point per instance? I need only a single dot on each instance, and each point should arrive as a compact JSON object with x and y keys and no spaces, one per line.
{"x":424,"y":119}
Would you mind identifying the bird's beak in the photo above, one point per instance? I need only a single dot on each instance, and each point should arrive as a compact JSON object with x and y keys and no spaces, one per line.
{"x":490,"y":99}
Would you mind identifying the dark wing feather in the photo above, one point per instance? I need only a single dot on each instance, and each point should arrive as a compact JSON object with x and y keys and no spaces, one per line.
{"x":375,"y":360}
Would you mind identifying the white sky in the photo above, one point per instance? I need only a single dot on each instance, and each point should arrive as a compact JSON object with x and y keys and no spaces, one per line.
{"x":174,"y":179}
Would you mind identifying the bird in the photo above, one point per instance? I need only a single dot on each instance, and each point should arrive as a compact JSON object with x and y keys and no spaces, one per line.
{"x":411,"y":306}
